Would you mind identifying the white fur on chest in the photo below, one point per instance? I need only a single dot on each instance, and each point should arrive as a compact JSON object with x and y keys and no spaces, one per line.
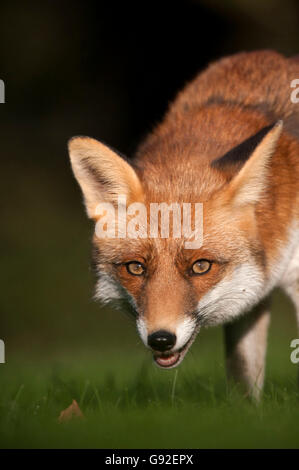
{"x":291,"y":274}
{"x":285,"y":268}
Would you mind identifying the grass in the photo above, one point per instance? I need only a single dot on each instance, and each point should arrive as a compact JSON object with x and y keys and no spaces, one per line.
{"x":47,"y":312}
{"x":129,"y":403}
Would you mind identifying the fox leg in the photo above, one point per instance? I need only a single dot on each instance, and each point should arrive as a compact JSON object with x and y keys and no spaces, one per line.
{"x":293,"y":292}
{"x":292,"y":289}
{"x":246,"y":343}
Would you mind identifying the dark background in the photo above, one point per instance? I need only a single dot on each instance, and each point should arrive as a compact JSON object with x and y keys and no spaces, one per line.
{"x":107,"y":70}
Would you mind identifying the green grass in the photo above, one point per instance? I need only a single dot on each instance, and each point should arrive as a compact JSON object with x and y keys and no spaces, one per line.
{"x":129,"y":403}
{"x":48,"y":319}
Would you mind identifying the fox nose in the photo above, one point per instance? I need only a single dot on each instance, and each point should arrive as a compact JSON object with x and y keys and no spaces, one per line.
{"x":161,"y":340}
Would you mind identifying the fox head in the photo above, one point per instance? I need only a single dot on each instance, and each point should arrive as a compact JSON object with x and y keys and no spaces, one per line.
{"x":174,"y":290}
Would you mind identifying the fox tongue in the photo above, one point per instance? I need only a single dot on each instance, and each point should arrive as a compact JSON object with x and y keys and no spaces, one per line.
{"x":167,"y":361}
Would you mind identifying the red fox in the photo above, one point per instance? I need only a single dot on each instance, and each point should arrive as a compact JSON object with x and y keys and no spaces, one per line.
{"x":230,"y":141}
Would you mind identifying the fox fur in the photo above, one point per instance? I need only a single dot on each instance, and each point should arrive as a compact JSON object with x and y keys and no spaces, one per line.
{"x":231,"y":141}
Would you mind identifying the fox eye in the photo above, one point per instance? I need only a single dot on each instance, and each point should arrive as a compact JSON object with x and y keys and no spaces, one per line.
{"x":201,"y":266}
{"x":135,"y":268}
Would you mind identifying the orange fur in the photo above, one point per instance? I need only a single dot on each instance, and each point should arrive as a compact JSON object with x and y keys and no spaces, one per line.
{"x":251,"y":205}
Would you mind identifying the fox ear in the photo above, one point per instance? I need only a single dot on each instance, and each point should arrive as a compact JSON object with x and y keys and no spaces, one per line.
{"x":254,"y":156}
{"x":102,"y":174}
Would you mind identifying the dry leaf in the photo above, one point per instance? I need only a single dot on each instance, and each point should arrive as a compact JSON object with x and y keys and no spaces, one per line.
{"x":73,"y":411}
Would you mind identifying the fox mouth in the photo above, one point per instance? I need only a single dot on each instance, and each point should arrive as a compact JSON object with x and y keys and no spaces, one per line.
{"x":173,"y":358}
